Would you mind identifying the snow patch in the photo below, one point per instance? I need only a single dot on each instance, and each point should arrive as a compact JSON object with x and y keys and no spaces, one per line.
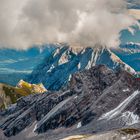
{"x":35,"y":127}
{"x":79,"y":125}
{"x":126,"y":90}
{"x":133,"y":43}
{"x":75,"y":97}
{"x":130,"y":118}
{"x":64,"y":59}
{"x":69,"y":77}
{"x":113,"y":113}
{"x":52,"y":67}
{"x":56,"y":52}
{"x":79,"y":65}
{"x":92,"y":61}
{"x":83,"y":51}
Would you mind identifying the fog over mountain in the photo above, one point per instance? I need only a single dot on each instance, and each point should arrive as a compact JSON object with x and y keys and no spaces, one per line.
{"x":82,"y":22}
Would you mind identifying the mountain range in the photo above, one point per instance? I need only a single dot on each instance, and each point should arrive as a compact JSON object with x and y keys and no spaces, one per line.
{"x":47,"y":63}
{"x":76,"y":92}
{"x":95,"y":101}
{"x":56,"y":70}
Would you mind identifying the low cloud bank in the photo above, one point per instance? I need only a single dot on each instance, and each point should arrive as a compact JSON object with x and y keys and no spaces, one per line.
{"x":82,"y":22}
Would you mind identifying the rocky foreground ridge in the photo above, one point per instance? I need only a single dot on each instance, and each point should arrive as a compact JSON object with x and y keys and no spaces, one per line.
{"x":95,"y":100}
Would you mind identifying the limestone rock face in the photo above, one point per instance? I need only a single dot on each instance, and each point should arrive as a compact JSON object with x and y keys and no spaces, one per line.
{"x":95,"y":100}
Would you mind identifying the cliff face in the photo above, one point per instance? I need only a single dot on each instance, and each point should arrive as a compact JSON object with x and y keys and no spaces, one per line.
{"x":55,"y":71}
{"x":95,"y":100}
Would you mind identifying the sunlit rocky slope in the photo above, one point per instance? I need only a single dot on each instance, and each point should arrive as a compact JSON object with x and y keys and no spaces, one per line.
{"x":9,"y":94}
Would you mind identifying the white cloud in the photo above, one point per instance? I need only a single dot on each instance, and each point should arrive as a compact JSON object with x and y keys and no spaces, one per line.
{"x":83,"y":22}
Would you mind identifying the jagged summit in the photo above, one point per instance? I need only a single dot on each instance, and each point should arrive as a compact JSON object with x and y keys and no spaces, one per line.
{"x":55,"y":71}
{"x":106,"y":56}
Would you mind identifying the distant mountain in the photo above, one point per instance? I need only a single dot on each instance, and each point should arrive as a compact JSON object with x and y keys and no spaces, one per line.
{"x":96,"y":101}
{"x":56,"y":70}
{"x":130,"y":54}
{"x":133,"y":4}
{"x":17,"y":64}
{"x":54,"y":64}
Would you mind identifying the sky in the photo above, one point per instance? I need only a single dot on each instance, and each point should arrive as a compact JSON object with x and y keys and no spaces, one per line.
{"x":82,"y":22}
{"x":127,"y":37}
{"x":134,"y":7}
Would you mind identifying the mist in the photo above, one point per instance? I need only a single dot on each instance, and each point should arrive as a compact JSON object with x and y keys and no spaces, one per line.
{"x":82,"y":22}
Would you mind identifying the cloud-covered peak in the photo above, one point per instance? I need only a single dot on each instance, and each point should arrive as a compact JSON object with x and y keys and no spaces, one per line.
{"x":83,"y":22}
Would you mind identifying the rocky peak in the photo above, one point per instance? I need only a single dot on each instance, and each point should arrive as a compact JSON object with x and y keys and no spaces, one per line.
{"x":82,"y":107}
{"x":56,"y":71}
{"x":97,"y":78}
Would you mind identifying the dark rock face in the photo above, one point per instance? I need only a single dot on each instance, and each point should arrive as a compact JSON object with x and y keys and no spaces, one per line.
{"x":29,"y":109}
{"x":90,"y":96}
